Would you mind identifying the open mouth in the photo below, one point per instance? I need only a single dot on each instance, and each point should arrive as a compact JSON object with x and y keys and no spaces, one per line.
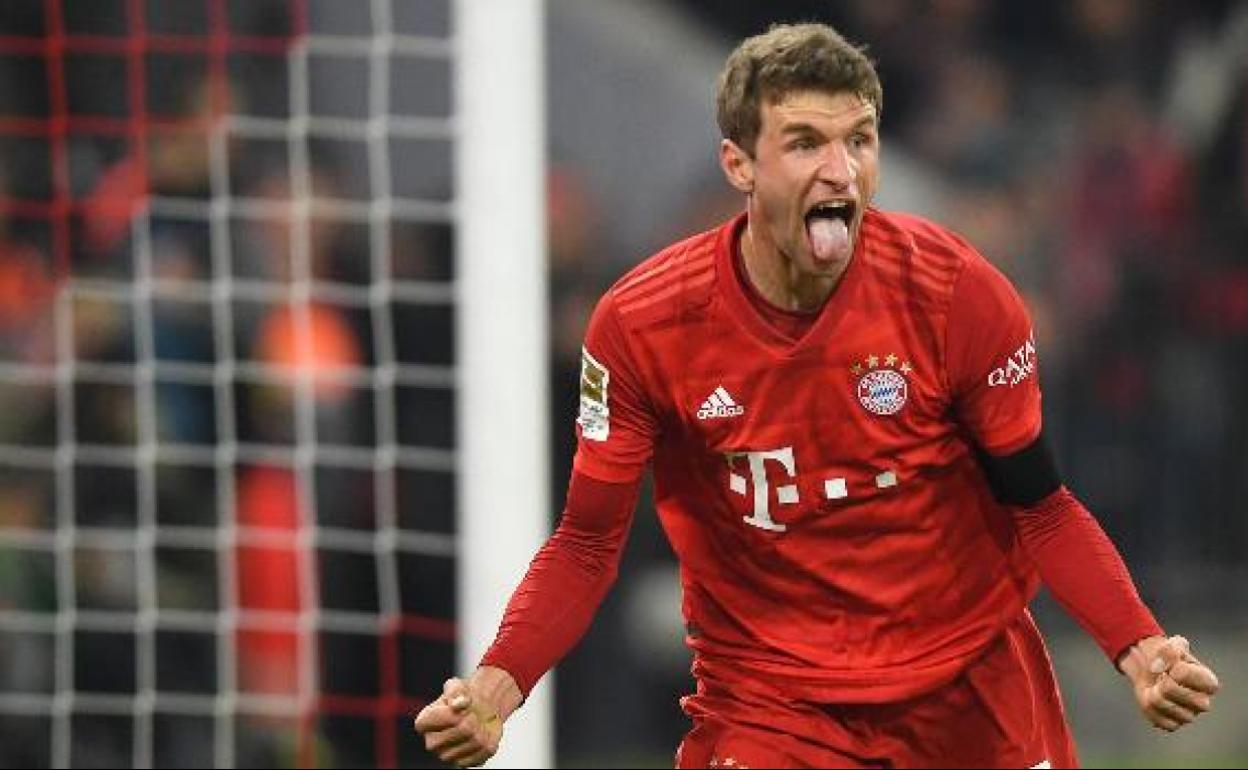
{"x":827,"y":227}
{"x":842,"y":210}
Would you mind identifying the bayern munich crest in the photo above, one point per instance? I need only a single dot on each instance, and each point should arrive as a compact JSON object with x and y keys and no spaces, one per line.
{"x":882,"y":389}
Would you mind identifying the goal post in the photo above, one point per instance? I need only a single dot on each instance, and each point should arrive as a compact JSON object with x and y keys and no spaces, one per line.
{"x":502,"y":332}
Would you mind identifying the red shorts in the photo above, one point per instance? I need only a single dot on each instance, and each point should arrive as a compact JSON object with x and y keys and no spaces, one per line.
{"x":1003,"y":711}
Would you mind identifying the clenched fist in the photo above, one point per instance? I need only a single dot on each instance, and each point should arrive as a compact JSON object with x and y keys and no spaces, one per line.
{"x":1171,"y":686}
{"x":464,"y":725}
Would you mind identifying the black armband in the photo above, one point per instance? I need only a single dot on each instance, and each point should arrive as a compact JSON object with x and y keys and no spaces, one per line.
{"x":1025,"y":477}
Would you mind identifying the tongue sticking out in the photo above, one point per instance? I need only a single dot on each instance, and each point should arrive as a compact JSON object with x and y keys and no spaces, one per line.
{"x":830,"y":238}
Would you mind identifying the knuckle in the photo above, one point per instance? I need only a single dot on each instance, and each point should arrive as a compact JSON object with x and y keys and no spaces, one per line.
{"x":1181,"y":672}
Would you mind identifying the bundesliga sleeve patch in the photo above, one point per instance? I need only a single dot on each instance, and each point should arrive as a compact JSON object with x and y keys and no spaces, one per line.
{"x":595,"y":416}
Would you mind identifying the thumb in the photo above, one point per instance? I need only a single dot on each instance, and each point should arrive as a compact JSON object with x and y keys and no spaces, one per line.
{"x":455,"y":692}
{"x":1170,"y":653}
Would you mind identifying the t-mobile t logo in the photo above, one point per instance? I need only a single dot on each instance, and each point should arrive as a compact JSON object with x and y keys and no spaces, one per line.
{"x":836,"y":488}
{"x":786,"y":494}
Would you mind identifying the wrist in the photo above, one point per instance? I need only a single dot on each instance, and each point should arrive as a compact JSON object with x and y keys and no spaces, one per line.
{"x":496,"y":688}
{"x":1136,"y":661}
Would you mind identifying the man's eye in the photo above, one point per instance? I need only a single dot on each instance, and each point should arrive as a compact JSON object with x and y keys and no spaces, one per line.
{"x":802,"y":144}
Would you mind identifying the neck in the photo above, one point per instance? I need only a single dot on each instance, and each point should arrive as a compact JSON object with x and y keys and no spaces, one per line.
{"x":778,"y":278}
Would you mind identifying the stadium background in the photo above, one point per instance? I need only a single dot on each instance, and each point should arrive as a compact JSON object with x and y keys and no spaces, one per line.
{"x":226,"y":342}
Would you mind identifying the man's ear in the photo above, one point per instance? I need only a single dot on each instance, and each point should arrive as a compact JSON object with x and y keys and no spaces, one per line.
{"x":738,"y":166}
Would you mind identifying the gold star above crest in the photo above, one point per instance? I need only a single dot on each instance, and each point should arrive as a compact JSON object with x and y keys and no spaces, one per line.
{"x":890,"y":360}
{"x":873,"y":361}
{"x":906,"y":368}
{"x":856,"y":369}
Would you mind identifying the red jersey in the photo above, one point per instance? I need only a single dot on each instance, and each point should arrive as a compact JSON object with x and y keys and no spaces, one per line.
{"x":835,"y":533}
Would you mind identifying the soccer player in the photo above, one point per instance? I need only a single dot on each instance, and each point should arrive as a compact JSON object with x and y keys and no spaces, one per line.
{"x":842,"y":413}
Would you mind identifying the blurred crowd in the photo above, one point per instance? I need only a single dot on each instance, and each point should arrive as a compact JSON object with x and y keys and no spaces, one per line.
{"x":1096,"y":150}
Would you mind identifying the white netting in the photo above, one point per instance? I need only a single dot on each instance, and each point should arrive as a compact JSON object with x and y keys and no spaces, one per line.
{"x":226,"y":469}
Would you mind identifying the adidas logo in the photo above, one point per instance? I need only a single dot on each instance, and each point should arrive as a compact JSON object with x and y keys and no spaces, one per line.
{"x":719,"y":404}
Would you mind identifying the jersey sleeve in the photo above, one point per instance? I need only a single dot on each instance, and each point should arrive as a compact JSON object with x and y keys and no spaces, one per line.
{"x":616,"y":425}
{"x":991,"y":361}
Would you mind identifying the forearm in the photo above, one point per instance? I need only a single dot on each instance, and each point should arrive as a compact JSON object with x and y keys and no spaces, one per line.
{"x":567,"y":580}
{"x":1084,"y":572}
{"x":549,"y":612}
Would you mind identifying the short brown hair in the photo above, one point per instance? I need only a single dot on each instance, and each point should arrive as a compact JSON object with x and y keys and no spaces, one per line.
{"x":786,"y":58}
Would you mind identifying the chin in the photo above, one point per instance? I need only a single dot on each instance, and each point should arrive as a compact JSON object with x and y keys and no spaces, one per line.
{"x":830,"y":269}
{"x":825,"y":269}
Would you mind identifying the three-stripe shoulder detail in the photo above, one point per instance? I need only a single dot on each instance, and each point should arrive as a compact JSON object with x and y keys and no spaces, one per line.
{"x":927,"y":260}
{"x":687,"y":266}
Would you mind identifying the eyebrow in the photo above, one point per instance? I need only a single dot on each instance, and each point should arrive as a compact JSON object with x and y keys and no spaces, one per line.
{"x":807,"y":128}
{"x":799,"y":128}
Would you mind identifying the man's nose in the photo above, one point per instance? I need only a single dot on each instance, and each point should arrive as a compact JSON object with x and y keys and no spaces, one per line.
{"x":837,"y":167}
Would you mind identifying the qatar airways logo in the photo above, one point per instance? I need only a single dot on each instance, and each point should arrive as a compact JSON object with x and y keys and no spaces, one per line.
{"x":1018,"y":367}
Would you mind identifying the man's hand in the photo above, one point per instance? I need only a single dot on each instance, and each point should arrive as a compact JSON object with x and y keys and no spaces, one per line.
{"x":1171,"y":686}
{"x":463,"y":727}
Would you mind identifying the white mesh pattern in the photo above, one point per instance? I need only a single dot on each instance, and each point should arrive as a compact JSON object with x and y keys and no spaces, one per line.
{"x":128,"y":571}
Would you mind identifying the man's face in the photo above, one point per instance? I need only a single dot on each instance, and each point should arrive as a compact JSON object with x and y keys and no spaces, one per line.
{"x":814,"y":172}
